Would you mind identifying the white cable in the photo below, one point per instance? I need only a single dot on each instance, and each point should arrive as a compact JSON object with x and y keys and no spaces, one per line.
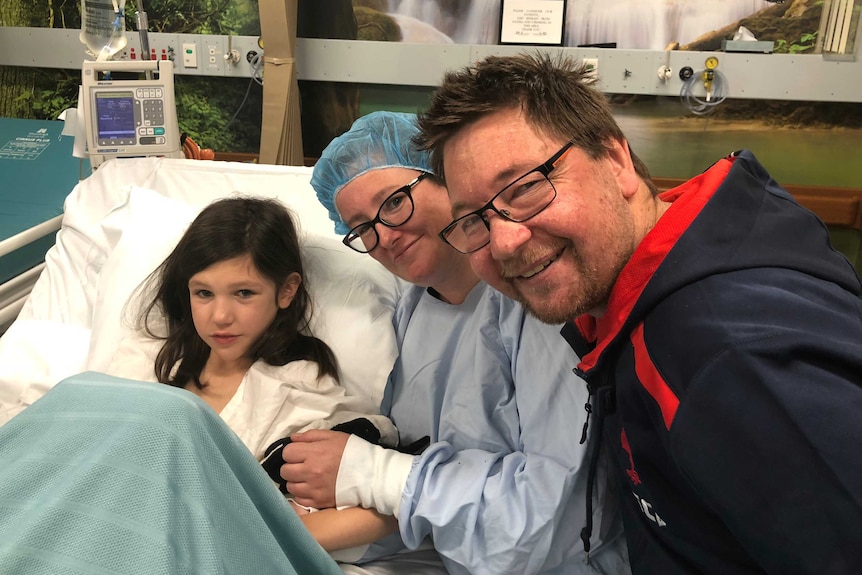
{"x":702,"y":105}
{"x":256,"y":64}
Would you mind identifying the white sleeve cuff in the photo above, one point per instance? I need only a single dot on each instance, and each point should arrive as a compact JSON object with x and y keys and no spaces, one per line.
{"x":371,"y":476}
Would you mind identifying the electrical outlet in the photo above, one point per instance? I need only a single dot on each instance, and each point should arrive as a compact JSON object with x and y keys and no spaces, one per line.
{"x":197,"y":54}
{"x":189,"y":63}
{"x":162,"y":47}
{"x":213,"y":55}
{"x":190,"y":55}
{"x":591,"y":65}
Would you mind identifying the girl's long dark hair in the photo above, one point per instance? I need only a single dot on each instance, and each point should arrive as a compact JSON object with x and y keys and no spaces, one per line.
{"x":226,"y":229}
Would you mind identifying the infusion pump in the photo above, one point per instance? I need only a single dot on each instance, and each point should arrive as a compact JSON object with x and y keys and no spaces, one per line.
{"x":130,"y":118}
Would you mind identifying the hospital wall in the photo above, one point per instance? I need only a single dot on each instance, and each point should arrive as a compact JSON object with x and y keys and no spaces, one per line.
{"x":808,"y":144}
{"x":820,"y":163}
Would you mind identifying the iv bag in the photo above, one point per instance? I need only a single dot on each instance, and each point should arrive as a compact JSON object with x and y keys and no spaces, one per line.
{"x":103,"y":27}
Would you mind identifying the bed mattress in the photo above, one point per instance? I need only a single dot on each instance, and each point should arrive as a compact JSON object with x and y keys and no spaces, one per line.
{"x":37,"y":172}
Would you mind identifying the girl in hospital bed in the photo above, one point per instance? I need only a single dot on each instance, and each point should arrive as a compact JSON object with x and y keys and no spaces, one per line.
{"x":108,"y":474}
{"x":225,"y":316}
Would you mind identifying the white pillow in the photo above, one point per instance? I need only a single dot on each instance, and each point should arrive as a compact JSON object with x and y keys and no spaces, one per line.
{"x":353,"y":295}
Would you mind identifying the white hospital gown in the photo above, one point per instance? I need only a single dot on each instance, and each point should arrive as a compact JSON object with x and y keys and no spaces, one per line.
{"x":272,"y":402}
{"x":501,"y":488}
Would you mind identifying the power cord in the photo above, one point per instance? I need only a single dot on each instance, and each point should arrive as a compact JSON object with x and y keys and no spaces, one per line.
{"x":256,"y":63}
{"x":191,"y":149}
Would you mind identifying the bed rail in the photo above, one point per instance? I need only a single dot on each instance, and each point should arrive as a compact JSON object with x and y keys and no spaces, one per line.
{"x":20,"y":240}
{"x":14,"y":293}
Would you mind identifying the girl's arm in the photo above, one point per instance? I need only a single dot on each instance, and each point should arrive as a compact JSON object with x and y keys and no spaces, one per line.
{"x":338,"y":529}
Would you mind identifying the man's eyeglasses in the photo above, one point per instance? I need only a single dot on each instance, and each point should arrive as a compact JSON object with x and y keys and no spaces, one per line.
{"x":395,"y":210}
{"x":517,"y":202}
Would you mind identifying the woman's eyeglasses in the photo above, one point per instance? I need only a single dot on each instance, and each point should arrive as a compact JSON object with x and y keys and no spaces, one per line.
{"x":395,"y":210}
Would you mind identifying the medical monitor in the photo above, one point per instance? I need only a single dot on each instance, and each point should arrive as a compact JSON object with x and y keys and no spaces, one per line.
{"x":130,"y":118}
{"x":115,"y":118}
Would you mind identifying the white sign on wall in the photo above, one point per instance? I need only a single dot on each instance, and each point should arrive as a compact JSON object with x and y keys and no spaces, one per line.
{"x":532,"y":22}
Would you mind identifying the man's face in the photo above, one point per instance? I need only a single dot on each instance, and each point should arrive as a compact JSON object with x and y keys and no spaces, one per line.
{"x":564,"y":261}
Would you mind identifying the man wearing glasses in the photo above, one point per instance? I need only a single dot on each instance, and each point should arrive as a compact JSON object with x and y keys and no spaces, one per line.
{"x":720,"y":334}
{"x":501,"y":487}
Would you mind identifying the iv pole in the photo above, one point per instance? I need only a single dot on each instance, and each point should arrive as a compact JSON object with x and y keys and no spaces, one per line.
{"x":142,"y":24}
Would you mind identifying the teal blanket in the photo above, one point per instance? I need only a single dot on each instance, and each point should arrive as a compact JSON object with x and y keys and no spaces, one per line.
{"x":110,"y":476}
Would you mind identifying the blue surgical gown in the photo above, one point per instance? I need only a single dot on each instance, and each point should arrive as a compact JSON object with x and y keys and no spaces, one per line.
{"x":502,"y":487}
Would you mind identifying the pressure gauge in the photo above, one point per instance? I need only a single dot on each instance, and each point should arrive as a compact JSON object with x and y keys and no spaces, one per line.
{"x":711,"y":63}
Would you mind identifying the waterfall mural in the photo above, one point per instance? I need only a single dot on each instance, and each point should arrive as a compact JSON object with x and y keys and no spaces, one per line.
{"x":471,"y":22}
{"x":630,"y":24}
{"x":673,"y":143}
{"x":415,"y":30}
{"x":651,"y":24}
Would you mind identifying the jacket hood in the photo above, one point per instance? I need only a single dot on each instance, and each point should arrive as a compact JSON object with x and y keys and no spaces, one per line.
{"x":732,"y":217}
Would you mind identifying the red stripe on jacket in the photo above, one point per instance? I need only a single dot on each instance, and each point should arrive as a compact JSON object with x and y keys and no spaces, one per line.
{"x":687,"y":200}
{"x":652,"y":380}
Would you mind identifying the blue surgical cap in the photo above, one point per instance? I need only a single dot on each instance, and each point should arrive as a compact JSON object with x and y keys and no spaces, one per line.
{"x":378,"y":140}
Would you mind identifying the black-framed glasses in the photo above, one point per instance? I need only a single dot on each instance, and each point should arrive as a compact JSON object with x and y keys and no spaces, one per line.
{"x":395,"y":210}
{"x":518,"y":202}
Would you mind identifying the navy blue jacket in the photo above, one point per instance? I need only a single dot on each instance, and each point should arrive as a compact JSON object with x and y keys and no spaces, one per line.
{"x":727,"y":378}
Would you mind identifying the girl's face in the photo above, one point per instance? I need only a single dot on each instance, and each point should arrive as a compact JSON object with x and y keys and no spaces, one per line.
{"x":232,"y":306}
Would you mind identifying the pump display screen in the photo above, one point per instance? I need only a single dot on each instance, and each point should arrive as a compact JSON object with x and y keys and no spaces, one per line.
{"x":115,"y":115}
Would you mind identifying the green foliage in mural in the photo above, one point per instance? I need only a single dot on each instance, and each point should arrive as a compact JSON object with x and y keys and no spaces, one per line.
{"x":213,"y":117}
{"x":37,"y":94}
{"x":205,"y":105}
{"x":805,"y":43}
{"x":200,"y":16}
{"x":42,"y":103}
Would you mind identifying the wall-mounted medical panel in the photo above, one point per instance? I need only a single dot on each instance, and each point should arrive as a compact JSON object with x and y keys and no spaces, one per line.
{"x":805,"y":77}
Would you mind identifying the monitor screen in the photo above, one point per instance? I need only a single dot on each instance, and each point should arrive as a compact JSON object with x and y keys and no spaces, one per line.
{"x":115,"y":115}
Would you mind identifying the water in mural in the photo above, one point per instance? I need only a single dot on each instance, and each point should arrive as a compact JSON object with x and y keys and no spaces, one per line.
{"x":651,"y":24}
{"x":475,"y":22}
{"x":631,"y":24}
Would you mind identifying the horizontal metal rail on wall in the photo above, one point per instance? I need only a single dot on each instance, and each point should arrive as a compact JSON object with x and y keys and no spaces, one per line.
{"x":805,"y":77}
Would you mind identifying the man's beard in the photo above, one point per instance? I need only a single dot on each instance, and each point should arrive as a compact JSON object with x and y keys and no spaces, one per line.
{"x":590,"y":296}
{"x":595,"y":273}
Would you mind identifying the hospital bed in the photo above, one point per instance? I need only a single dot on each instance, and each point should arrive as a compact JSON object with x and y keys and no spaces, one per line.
{"x":37,"y":171}
{"x":119,"y":224}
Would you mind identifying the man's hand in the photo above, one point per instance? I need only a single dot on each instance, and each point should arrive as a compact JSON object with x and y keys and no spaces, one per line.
{"x":311,"y":466}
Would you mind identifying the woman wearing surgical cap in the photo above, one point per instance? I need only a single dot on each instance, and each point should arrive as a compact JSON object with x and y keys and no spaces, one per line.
{"x":382,"y":196}
{"x":499,"y":488}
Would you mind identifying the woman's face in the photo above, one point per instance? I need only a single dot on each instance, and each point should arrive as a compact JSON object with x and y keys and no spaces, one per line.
{"x":413,"y":251}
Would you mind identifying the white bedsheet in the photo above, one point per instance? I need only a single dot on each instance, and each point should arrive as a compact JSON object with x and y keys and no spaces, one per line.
{"x":122,"y":220}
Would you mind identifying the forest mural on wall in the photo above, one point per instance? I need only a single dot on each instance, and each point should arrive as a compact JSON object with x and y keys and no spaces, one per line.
{"x":203,"y":110}
{"x":206,"y":105}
